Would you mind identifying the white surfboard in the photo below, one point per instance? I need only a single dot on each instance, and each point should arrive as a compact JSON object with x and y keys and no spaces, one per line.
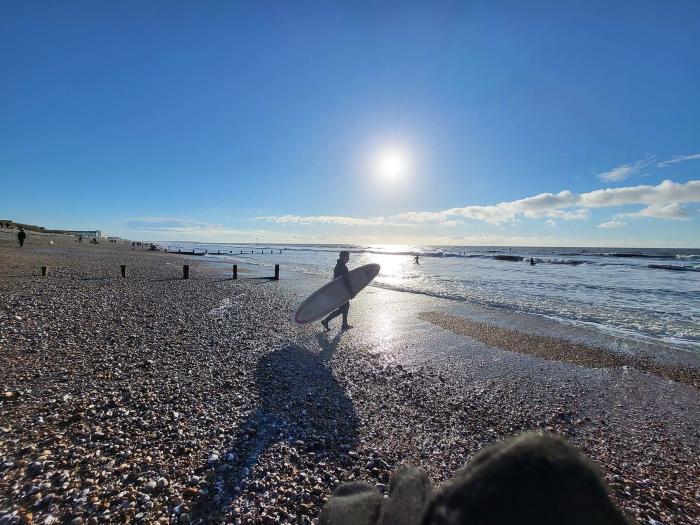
{"x":329,"y":297}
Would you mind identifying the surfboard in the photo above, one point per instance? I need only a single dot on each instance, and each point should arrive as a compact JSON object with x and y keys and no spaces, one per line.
{"x":332,"y":295}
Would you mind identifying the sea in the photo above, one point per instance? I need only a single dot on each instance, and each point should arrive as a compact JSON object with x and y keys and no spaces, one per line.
{"x":649,"y":294}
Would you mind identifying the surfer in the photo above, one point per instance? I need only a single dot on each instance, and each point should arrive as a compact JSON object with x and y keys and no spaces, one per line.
{"x":416,"y":261}
{"x":341,"y":270}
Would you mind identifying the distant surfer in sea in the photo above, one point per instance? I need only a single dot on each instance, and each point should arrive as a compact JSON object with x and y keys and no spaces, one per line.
{"x":416,"y":260}
{"x":341,"y":270}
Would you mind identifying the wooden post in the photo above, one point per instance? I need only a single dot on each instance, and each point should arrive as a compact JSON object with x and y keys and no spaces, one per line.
{"x":123,"y":269}
{"x":277,"y":272}
{"x":235,"y":271}
{"x":44,"y":270}
{"x":185,"y":271}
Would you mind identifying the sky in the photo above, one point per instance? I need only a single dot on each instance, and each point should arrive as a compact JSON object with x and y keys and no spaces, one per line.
{"x":469,"y":123}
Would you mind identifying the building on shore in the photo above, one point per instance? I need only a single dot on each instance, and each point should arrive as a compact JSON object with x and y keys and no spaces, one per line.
{"x":86,"y":233}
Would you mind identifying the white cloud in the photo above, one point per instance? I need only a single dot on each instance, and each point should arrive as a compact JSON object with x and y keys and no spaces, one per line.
{"x":535,"y":207}
{"x":673,"y":210}
{"x":663,"y":201}
{"x":665,"y":192}
{"x":623,"y":172}
{"x":677,"y":159}
{"x":421,"y":216}
{"x":612,"y":224}
{"x":550,"y":222}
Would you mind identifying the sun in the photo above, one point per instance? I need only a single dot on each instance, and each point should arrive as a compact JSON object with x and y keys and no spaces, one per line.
{"x":392,"y":165}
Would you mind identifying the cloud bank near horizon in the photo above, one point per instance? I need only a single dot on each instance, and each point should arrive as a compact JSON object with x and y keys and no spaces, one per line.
{"x":177,"y":226}
{"x":667,"y":200}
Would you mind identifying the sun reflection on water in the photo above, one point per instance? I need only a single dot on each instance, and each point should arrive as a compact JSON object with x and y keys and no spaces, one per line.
{"x":395,"y":266}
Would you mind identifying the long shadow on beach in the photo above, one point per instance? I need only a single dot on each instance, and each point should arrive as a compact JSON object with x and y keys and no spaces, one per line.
{"x":301,"y":404}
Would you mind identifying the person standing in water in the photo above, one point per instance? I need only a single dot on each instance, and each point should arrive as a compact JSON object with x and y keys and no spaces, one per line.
{"x":416,"y":260}
{"x":21,"y":235}
{"x":341,"y":270}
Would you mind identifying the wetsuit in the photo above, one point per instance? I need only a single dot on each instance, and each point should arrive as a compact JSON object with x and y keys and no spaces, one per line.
{"x":341,"y":270}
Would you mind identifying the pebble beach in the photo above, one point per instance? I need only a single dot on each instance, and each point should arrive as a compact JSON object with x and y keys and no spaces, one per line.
{"x":155,"y":399}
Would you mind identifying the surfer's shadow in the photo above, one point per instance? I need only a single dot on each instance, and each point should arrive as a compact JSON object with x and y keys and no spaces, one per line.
{"x":302,"y":409}
{"x":328,"y":345}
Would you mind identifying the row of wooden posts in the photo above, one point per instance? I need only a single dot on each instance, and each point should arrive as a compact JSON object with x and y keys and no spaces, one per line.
{"x":185,"y":271}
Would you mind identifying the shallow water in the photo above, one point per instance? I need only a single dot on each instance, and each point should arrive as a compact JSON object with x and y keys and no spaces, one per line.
{"x":648,"y":294}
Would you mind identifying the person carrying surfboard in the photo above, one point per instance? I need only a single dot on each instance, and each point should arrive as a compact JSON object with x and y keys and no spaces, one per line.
{"x":341,"y":270}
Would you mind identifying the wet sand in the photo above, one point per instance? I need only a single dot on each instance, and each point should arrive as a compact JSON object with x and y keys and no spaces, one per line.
{"x":152,"y":398}
{"x":558,"y":349}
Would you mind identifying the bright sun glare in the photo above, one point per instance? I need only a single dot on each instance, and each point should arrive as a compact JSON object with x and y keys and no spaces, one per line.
{"x":392,"y":165}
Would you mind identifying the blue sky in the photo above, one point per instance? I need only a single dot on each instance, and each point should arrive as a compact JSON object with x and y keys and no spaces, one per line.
{"x":235,"y":120}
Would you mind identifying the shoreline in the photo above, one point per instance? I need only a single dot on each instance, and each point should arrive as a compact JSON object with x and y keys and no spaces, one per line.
{"x":195,"y":390}
{"x":559,"y":349}
{"x":613,"y":323}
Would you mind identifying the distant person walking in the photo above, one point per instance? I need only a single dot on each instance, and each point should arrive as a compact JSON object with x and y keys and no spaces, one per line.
{"x":341,"y":270}
{"x":21,"y":235}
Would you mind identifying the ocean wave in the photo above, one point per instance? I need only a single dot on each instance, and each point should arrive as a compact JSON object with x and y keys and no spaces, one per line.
{"x":571,"y":262}
{"x":636,"y":255}
{"x":675,"y":267}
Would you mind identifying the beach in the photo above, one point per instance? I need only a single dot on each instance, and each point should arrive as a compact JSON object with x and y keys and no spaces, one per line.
{"x":156,"y":399}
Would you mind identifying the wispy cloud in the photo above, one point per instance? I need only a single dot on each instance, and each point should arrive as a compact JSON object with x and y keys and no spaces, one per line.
{"x":161,"y":224}
{"x":664,"y":200}
{"x":677,"y":159}
{"x":612,"y":224}
{"x":332,"y":219}
{"x":177,"y":228}
{"x":624,"y":171}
